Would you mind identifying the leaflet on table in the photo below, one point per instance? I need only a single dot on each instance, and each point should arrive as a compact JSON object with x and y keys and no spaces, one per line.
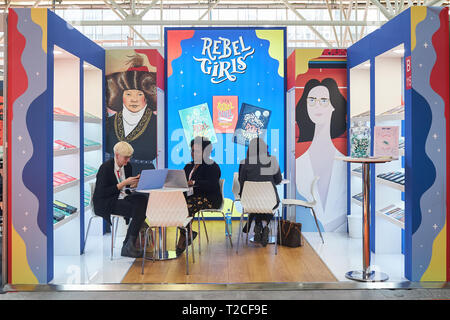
{"x":252,"y":122}
{"x":197,"y":121}
{"x":386,"y":140}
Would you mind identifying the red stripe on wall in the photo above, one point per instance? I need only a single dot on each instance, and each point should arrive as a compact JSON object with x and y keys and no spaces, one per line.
{"x":439,"y":81}
{"x":17,"y":85}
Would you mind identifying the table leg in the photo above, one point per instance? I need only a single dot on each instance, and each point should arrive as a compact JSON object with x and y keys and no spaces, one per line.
{"x":366,"y":275}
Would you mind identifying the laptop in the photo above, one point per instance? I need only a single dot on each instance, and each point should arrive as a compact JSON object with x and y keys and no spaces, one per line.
{"x":152,"y":179}
{"x":161,"y":179}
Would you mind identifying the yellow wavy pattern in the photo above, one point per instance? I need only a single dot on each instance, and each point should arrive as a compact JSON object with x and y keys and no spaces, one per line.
{"x":302,"y":58}
{"x":276,"y":47}
{"x":436,"y":271}
{"x":22,"y":273}
{"x":418,"y":14}
{"x":39,"y":16}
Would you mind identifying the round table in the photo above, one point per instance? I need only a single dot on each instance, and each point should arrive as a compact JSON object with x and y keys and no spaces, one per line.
{"x":365,"y":275}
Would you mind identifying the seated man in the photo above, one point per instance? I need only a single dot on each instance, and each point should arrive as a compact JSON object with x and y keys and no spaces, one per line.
{"x":112,"y":196}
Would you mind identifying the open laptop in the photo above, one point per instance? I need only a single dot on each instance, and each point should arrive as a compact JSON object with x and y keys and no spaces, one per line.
{"x":161,"y":179}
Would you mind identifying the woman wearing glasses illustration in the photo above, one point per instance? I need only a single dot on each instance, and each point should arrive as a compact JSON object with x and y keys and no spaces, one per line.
{"x":321,"y":118}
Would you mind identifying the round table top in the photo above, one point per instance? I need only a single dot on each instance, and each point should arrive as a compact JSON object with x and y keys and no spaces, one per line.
{"x":164,"y":190}
{"x":284,"y":181}
{"x":366,"y":160}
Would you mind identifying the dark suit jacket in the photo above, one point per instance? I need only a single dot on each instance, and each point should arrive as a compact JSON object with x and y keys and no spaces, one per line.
{"x":106,"y":193}
{"x":252,"y":172}
{"x":207,"y":184}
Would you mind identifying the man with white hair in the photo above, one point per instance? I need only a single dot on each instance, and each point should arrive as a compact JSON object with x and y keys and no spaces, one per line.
{"x":113,"y":196}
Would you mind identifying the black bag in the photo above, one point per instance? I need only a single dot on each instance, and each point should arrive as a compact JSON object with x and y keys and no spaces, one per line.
{"x":289,"y":234}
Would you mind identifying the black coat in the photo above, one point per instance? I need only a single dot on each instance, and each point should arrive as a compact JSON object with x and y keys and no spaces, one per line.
{"x":142,"y":139}
{"x":251,"y":171}
{"x":207,"y":184}
{"x":106,"y":193}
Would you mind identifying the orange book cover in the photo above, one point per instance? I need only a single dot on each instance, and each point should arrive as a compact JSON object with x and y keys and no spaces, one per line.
{"x":225,"y":113}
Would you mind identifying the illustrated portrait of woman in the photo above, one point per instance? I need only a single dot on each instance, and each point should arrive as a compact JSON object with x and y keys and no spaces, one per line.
{"x":132,"y":95}
{"x":321,"y":118}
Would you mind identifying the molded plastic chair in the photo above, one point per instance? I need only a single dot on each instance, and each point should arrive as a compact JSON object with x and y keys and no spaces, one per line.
{"x":220,"y":210}
{"x":168,"y":209}
{"x":258,"y":198}
{"x":114,"y":222}
{"x":235,"y":189}
{"x":306,"y":204}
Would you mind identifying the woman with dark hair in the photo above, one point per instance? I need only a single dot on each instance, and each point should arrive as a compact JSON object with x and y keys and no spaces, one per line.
{"x":259,"y":166}
{"x":132,"y":94}
{"x":321,"y":118}
{"x":203,"y":176}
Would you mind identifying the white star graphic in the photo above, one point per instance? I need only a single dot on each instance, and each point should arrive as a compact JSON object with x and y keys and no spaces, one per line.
{"x":420,"y":65}
{"x":425,"y":45}
{"x":435,"y":136}
{"x":435,"y":226}
{"x":19,"y":138}
{"x":195,"y":93}
{"x":23,"y":151}
{"x":181,"y":72}
{"x":26,"y":213}
{"x":438,"y":150}
{"x":24,"y":229}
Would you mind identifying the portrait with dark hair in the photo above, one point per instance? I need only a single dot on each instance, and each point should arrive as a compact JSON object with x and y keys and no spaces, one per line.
{"x":132,"y":96}
{"x":321,"y":115}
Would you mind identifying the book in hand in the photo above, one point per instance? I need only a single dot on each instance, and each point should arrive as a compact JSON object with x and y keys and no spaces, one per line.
{"x":252,"y":122}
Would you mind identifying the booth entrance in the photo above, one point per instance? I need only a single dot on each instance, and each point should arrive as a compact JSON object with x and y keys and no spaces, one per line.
{"x":68,"y":118}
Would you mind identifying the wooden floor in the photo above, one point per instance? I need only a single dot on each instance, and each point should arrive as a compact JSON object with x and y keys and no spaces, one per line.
{"x":219,"y":263}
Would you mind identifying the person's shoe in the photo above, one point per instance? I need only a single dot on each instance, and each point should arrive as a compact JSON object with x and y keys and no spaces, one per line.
{"x":265,"y":236}
{"x":257,"y":229}
{"x":194,"y":235}
{"x":129,"y":250}
{"x":244,"y":230}
{"x":182,"y":243}
{"x":179,"y":251}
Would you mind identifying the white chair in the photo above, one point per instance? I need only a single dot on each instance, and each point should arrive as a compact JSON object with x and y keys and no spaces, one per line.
{"x":306,"y":204}
{"x":168,"y":209}
{"x":236,"y":188}
{"x":258,"y":198}
{"x":114,"y":222}
{"x":219,"y":210}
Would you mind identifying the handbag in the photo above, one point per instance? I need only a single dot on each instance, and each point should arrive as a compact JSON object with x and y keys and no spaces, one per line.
{"x":289,"y":234}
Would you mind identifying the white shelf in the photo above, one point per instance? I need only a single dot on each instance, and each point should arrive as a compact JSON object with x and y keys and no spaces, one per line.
{"x":92,"y":120}
{"x":89,"y":178}
{"x":63,"y":117}
{"x":92,"y":148}
{"x":356,"y":174}
{"x":66,"y":220}
{"x":381,"y":118}
{"x":65,"y":186}
{"x":391,"y":184}
{"x":358,"y":203}
{"x":58,"y":153}
{"x":390,"y":219}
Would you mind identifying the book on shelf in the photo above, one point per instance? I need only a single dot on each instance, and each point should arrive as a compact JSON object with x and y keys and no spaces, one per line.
{"x":58,"y":216}
{"x":91,"y":116}
{"x":396,"y":110}
{"x":64,"y":207}
{"x":88,"y":170}
{"x":60,"y":178}
{"x":363,"y":114}
{"x":87,"y":198}
{"x":358,"y":197}
{"x":88,"y":143}
{"x":394,"y":176}
{"x":358,"y":169}
{"x":62,"y":145}
{"x":61,"y":111}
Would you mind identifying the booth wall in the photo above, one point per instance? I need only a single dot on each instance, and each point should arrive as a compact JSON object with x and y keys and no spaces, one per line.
{"x":320,"y":135}
{"x":32,"y":35}
{"x":423,"y":31}
{"x":252,"y":71}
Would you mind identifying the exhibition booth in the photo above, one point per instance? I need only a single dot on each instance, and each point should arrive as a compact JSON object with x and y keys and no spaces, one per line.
{"x":386,"y":95}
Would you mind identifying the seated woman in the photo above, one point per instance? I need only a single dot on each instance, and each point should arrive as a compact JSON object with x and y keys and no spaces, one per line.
{"x":259,"y":166}
{"x":203,"y":176}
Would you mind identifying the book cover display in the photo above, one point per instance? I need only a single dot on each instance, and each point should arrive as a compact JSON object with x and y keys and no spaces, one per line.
{"x":225,"y":113}
{"x":197,"y":121}
{"x":252,"y":122}
{"x":386,"y":141}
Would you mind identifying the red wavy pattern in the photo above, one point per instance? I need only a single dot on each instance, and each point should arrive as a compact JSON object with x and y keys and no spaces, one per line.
{"x":174,"y":38}
{"x":17,"y":85}
{"x":439,"y":81}
{"x":156,"y":60}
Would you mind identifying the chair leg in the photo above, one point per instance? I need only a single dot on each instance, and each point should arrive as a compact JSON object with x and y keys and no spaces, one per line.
{"x":115,"y":232}
{"x":239,"y":233}
{"x":317,"y":224}
{"x":204,"y":226}
{"x":199,"y":234}
{"x":140,"y":240}
{"x":112,"y":237}
{"x":154,"y":247}
{"x":87,"y":233}
{"x":228,"y":230}
{"x":187,"y":251}
{"x":145,"y":249}
{"x":192,"y":243}
{"x":176,"y":237}
{"x":276,"y":233}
